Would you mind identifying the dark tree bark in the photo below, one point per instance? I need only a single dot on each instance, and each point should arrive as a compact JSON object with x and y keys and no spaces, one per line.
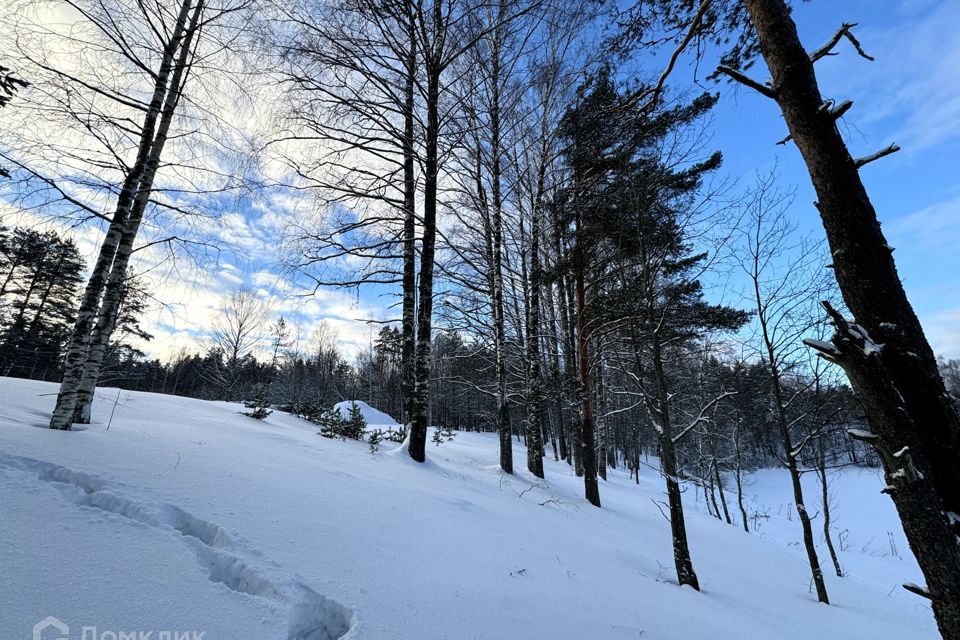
{"x":723,"y":498}
{"x":738,"y":476}
{"x":915,"y":427}
{"x":409,"y":307}
{"x":825,"y":498}
{"x":534,"y":371}
{"x":588,"y":453}
{"x":668,"y":464}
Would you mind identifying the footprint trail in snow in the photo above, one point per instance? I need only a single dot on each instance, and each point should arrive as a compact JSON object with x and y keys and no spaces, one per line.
{"x":311,"y":615}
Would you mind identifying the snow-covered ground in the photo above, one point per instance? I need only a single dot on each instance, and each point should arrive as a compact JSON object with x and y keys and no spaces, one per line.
{"x":186,"y":515}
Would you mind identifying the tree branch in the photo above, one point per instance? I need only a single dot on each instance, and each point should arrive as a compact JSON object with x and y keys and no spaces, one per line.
{"x":893,"y":148}
{"x":745,"y":80}
{"x":842,"y":32}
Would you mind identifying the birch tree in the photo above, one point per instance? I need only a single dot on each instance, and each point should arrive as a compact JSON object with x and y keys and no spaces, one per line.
{"x":111,"y":85}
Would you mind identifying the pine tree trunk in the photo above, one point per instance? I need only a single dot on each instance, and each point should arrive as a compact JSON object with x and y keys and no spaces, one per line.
{"x":78,"y":348}
{"x":678,"y":526}
{"x":899,"y":387}
{"x":668,"y":463}
{"x":588,"y":453}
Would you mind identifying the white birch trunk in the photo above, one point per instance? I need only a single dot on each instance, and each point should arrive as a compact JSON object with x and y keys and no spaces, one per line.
{"x":107,"y":318}
{"x":78,"y":348}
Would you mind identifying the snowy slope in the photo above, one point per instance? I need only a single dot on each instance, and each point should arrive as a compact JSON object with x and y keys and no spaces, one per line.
{"x":188,"y":515}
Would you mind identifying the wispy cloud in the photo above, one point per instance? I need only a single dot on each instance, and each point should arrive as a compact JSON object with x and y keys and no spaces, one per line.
{"x":910,"y":92}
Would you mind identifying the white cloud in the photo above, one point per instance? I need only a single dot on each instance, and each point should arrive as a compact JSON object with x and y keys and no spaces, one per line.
{"x":910,"y":92}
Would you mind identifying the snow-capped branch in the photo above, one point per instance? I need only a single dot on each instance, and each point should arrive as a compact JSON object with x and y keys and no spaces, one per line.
{"x":893,"y":148}
{"x":917,"y":589}
{"x":864,"y":436}
{"x":823,"y":349}
{"x":842,"y":32}
{"x":700,"y":416}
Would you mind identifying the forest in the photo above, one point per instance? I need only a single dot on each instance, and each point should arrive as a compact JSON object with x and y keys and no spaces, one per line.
{"x":532,"y":193}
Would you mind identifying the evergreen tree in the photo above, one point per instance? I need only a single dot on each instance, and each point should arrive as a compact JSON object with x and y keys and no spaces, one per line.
{"x":635,"y":273}
{"x":42,"y":273}
{"x":355,"y":424}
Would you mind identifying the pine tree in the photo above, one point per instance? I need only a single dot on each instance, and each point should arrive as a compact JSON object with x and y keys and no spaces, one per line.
{"x":633,"y":268}
{"x":331,"y":423}
{"x":42,"y":273}
{"x":355,"y":425}
{"x":9,"y":85}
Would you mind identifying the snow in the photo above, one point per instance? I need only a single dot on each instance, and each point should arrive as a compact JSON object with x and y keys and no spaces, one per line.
{"x":822,"y":346}
{"x":869,"y":346}
{"x":187,"y":515}
{"x":373,"y":417}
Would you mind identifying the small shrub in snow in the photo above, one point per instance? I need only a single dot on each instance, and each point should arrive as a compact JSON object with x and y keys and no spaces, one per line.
{"x":259,"y":407}
{"x":376,"y":437}
{"x":397,"y":436}
{"x":331,"y":423}
{"x":308,"y":410}
{"x":441,"y":435}
{"x":334,"y":425}
{"x":355,"y":424}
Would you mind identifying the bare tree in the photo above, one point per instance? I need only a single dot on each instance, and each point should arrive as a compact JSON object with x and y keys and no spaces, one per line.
{"x":782,"y":294}
{"x":236,"y":332}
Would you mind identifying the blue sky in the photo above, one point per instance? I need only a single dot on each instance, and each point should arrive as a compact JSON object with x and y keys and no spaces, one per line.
{"x":910,"y":95}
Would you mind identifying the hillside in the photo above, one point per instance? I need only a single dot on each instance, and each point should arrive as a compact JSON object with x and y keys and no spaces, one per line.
{"x":186,"y":515}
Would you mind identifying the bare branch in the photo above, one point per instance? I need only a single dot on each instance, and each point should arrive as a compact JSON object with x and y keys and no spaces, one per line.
{"x":750,"y":82}
{"x":893,"y":148}
{"x":842,"y":32}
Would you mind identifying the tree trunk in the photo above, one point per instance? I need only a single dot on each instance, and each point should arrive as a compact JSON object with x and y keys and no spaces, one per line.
{"x":825,"y":497}
{"x":114,"y":290}
{"x":78,"y":348}
{"x":588,"y":454}
{"x":496,"y":260}
{"x":738,"y":475}
{"x":420,"y":423}
{"x":899,"y":386}
{"x":678,"y":527}
{"x":602,"y":420}
{"x":723,"y":499}
{"x":534,"y":376}
{"x":409,"y":305}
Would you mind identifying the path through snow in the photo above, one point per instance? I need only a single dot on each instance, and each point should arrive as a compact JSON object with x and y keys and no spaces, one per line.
{"x":312,"y":616}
